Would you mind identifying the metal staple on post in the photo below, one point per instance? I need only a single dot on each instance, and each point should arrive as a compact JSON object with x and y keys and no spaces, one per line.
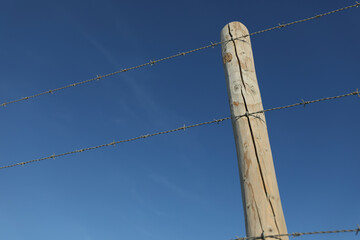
{"x":178,"y":129}
{"x":152,"y":62}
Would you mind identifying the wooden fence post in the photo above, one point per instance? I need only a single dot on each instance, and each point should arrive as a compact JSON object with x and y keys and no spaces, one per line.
{"x":261,"y":199}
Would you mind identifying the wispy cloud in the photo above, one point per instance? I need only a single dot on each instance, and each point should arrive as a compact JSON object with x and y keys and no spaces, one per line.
{"x":144,"y":97}
{"x":175,"y":189}
{"x":139,"y":199}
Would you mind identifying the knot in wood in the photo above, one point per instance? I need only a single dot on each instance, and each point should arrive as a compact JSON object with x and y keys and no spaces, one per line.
{"x":227,"y":58}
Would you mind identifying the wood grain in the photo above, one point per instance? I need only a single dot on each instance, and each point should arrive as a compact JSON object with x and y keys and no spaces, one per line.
{"x":260,"y":193}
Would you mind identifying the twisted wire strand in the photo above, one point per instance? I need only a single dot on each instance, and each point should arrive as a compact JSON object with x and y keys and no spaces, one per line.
{"x":184,"y":127}
{"x":304,"y":103}
{"x":297,"y":234}
{"x":152,"y":62}
{"x":306,"y":19}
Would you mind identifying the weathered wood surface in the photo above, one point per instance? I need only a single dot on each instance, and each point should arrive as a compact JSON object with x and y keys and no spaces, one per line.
{"x":260,"y":193}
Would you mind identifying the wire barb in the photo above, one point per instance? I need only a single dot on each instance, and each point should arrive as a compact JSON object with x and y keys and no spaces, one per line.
{"x":304,"y":102}
{"x":297,"y":234}
{"x":184,"y":127}
{"x":212,"y":45}
{"x":357,"y":92}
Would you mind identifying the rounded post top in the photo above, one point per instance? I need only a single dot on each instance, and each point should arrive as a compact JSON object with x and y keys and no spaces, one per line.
{"x":235,"y":25}
{"x":233,"y":30}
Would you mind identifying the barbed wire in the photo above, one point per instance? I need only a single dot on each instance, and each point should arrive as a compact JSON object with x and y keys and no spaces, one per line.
{"x":304,"y":103}
{"x":297,"y":234}
{"x":152,"y":62}
{"x":184,"y":127}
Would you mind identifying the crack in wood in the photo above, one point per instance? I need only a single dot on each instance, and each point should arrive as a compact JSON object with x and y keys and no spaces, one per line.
{"x":254,"y":142}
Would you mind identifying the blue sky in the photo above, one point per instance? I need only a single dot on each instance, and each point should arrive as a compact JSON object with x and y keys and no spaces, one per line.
{"x":183,"y":185}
